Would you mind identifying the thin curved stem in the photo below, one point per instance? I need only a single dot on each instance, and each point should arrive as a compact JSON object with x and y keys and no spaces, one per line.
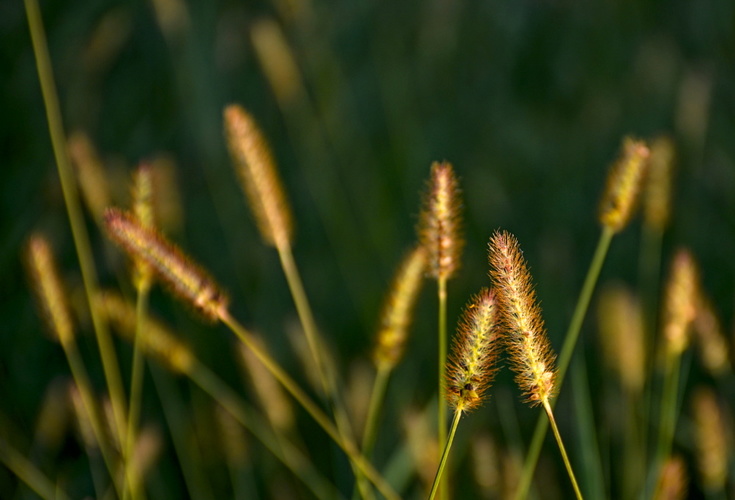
{"x":29,"y":474}
{"x":73,"y":207}
{"x":563,"y":450}
{"x":565,"y":357}
{"x":346,"y":444}
{"x":445,"y":455}
{"x":376,"y":401}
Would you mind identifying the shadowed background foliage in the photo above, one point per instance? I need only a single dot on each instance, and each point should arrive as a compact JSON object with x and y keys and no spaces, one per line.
{"x":529,"y":100}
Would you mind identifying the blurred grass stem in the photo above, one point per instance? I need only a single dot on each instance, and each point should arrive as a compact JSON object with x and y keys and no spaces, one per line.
{"x":73,"y":207}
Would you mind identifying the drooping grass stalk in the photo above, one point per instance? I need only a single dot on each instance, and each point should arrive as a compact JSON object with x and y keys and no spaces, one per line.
{"x":347,"y":445}
{"x":527,"y":342}
{"x":24,"y":470}
{"x":617,"y":205}
{"x":192,"y":285}
{"x":439,"y":229}
{"x":73,"y":207}
{"x":160,"y":343}
{"x":565,"y":458}
{"x":262,"y":185}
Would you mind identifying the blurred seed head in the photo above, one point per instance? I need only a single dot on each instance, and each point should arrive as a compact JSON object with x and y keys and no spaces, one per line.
{"x":624,"y":182}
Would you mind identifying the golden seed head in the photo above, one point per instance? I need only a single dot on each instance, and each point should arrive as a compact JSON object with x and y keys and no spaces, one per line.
{"x":623,"y":185}
{"x":711,"y":441}
{"x":710,"y":337}
{"x":657,"y":207}
{"x":673,"y":483}
{"x":621,"y":327}
{"x":49,"y":290}
{"x":398,"y":309}
{"x":90,"y":174}
{"x":258,"y":176}
{"x":528,"y":344}
{"x":185,"y":279}
{"x":155,"y":339}
{"x":471,"y":366}
{"x":439,"y":225}
{"x":277,"y":60}
{"x":143,"y":210}
{"x":680,"y":302}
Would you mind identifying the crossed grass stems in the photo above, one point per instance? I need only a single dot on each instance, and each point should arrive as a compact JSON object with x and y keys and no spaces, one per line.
{"x":507,"y":311}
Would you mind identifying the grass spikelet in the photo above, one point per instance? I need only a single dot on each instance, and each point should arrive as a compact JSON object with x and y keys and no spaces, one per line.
{"x":184,"y":278}
{"x":258,"y":176}
{"x":472,"y":362}
{"x":673,"y":482}
{"x":440,"y":222}
{"x":711,"y":442}
{"x":155,"y":339}
{"x":680,"y":306}
{"x":50,"y":293}
{"x":622,"y":336}
{"x":143,"y":210}
{"x":398,"y":309}
{"x":528,"y":344}
{"x":657,"y":200}
{"x":90,"y":174}
{"x":277,"y":60}
{"x":623,"y":185}
{"x":710,"y":337}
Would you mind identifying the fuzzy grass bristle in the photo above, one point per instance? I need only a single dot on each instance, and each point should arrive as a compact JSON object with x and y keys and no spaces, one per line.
{"x":680,"y":302}
{"x":184,"y":278}
{"x":710,"y":337}
{"x":623,"y":185}
{"x":440,"y":222}
{"x":528,"y":344}
{"x":712,"y":447}
{"x":52,"y":298}
{"x":398,"y":309}
{"x":258,"y":175}
{"x":471,"y":366}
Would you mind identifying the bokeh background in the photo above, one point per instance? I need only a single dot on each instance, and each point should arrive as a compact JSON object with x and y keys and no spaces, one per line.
{"x":529,"y":100}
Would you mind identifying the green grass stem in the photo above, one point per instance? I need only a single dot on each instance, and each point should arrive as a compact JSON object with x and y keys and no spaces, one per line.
{"x":565,"y":357}
{"x":441,"y":389}
{"x":445,"y":456}
{"x":73,"y":207}
{"x":29,"y":474}
{"x":562,"y":449}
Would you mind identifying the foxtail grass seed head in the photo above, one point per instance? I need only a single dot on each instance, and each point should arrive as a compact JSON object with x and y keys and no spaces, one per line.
{"x":440,"y":221}
{"x":471,"y":365}
{"x":185,"y":279}
{"x":710,"y":338}
{"x":52,"y":298}
{"x":277,"y":60}
{"x":711,"y":440}
{"x":673,"y":483}
{"x":680,"y":302}
{"x":520,"y":315}
{"x":623,"y":185}
{"x":155,"y":339}
{"x":621,"y":328}
{"x":258,"y":176}
{"x":142,"y":197}
{"x":398,"y":310}
{"x":91,"y":175}
{"x":657,"y":199}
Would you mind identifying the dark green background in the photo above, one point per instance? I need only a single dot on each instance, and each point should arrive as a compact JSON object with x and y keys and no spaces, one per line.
{"x":529,"y":100}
